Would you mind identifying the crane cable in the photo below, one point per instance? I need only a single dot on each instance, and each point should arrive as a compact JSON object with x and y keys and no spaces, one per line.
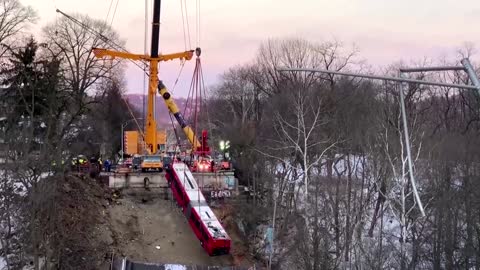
{"x":169,"y":113}
{"x":114,"y":13}
{"x":200,"y":70}
{"x":186,"y":34}
{"x":197,"y":23}
{"x":123,"y":98}
{"x":197,"y":92}
{"x":108,"y":12}
{"x":144,"y":102}
{"x":111,"y":43}
{"x":183,"y":24}
{"x":95,"y":32}
{"x":188,"y":24}
{"x":195,"y":96}
{"x":205,"y":105}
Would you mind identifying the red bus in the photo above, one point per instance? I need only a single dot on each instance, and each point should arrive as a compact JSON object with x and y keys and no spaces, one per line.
{"x":213,"y":237}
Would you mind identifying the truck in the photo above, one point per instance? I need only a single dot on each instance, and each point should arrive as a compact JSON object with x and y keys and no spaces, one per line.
{"x":152,"y":163}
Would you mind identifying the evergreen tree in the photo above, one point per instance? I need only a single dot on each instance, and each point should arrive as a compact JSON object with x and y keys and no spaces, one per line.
{"x":31,"y":95}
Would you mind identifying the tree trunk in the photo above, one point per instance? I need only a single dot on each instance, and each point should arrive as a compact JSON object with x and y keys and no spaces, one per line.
{"x":378,"y":204}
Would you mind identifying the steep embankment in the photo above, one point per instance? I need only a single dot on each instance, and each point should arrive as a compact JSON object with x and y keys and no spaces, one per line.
{"x":93,"y":222}
{"x":146,"y":227}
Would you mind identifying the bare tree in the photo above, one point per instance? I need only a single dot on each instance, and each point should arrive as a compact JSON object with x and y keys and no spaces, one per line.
{"x":241,"y":95}
{"x":14,"y":17}
{"x":73,"y":43}
{"x":274,"y":54}
{"x":359,"y":186}
{"x":48,"y":94}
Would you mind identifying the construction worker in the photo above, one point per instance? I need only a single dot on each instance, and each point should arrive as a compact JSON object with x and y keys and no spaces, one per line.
{"x":100,"y":164}
{"x":80,"y":163}
{"x":107,"y":165}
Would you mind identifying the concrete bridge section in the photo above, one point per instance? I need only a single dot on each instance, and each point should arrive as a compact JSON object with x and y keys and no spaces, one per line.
{"x":126,"y":264}
{"x":218,"y":180}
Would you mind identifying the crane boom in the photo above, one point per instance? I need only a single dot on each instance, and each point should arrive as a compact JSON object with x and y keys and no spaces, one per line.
{"x":150,"y":137}
{"x":154,"y":58}
{"x":100,"y":53}
{"x":151,"y":124}
{"x":172,"y":107}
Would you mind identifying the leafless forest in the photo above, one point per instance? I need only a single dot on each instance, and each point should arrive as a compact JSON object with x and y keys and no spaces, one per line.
{"x":329,"y":152}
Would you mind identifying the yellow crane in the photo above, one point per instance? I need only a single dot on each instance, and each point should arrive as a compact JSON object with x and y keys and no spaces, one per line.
{"x":154,"y":59}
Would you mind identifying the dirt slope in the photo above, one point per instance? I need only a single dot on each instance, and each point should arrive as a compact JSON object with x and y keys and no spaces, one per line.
{"x":135,"y":226}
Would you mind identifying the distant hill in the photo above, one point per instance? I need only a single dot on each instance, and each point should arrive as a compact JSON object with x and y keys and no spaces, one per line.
{"x":163,"y":120}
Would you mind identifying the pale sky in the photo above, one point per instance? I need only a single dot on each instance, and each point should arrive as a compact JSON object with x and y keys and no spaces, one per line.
{"x":385,"y":31}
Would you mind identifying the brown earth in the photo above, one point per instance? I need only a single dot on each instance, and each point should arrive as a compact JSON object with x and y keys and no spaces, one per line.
{"x":146,"y":227}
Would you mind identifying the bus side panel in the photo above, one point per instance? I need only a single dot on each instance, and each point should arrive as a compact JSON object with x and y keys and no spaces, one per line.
{"x":196,"y":224}
{"x":177,"y":190}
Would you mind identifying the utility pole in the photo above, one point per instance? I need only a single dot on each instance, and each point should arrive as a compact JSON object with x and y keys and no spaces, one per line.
{"x":471,"y":73}
{"x":407,"y":144}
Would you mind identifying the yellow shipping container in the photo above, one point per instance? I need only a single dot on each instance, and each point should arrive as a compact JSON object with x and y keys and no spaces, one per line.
{"x":134,"y":144}
{"x":131,"y":142}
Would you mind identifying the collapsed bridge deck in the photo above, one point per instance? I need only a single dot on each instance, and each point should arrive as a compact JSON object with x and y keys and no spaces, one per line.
{"x":223,"y":180}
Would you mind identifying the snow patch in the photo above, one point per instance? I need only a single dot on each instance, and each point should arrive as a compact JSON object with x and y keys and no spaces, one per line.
{"x":175,"y":267}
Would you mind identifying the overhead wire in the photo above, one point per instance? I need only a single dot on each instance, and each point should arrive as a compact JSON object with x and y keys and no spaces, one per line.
{"x":114,"y":13}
